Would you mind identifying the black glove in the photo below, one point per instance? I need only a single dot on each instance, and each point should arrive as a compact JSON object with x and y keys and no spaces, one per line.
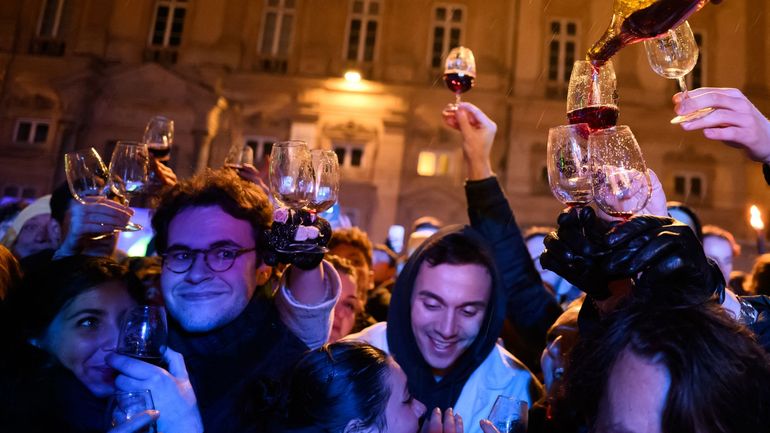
{"x":575,"y":251}
{"x":665,"y":258}
{"x":284,"y":246}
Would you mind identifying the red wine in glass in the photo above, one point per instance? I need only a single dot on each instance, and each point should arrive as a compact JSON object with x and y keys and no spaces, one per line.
{"x":459,"y":83}
{"x":597,"y":116}
{"x":159,"y":150}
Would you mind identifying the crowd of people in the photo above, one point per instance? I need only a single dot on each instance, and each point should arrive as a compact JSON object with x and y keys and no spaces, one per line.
{"x":596,"y":325}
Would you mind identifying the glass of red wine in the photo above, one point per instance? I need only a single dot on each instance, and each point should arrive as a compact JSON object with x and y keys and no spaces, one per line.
{"x":459,"y":74}
{"x":621,"y":182}
{"x":144,"y":334}
{"x":159,"y":135}
{"x":592,"y":96}
{"x":569,"y":174}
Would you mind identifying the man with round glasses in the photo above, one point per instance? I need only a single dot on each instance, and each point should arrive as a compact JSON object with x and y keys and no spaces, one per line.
{"x":237,"y":343}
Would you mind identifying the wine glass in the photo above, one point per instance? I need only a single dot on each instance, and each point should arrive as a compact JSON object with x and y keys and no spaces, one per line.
{"x":674,"y":55}
{"x":326,"y":186}
{"x":592,"y":95}
{"x":126,"y":405}
{"x":159,"y":135}
{"x":144,"y":334}
{"x":128,"y":172}
{"x":87,"y":176}
{"x":292,"y":184}
{"x":621,"y":183}
{"x":509,"y":415}
{"x":569,"y":174}
{"x":459,"y":73}
{"x":239,"y":155}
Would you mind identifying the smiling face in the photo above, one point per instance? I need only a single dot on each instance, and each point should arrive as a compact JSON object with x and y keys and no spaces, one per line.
{"x":449,"y":303}
{"x":85,"y":330}
{"x":403,"y":412}
{"x":200,"y":299}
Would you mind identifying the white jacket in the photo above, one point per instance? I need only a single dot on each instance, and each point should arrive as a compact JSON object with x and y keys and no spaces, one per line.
{"x":500,"y":374}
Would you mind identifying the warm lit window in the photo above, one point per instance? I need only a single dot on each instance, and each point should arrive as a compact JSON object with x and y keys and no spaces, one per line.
{"x":50,"y":18}
{"x":362,"y":30}
{"x":349,"y":155}
{"x":448,"y":25}
{"x":31,"y":131}
{"x":262,"y":146}
{"x":277,"y":25}
{"x":689,"y":186}
{"x":433,"y":163}
{"x":562,"y":51}
{"x":168,"y":24}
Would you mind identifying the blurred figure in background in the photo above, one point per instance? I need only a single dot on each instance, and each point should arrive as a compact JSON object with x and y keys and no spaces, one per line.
{"x":681,"y":212}
{"x":720,"y":246}
{"x":422,"y":229}
{"x":8,"y":213}
{"x":759,"y":280}
{"x":350,"y":304}
{"x":384,"y":266}
{"x":31,"y":230}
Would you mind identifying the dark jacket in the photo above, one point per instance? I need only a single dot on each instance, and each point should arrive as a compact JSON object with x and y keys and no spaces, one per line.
{"x":238,"y":371}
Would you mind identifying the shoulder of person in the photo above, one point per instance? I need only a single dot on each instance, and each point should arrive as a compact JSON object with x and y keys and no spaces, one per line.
{"x":376,"y":335}
{"x":502,"y":367}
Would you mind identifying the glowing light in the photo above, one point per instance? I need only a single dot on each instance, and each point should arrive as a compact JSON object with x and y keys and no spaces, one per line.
{"x":353,"y":76}
{"x":756,"y":218}
{"x":426,"y":164}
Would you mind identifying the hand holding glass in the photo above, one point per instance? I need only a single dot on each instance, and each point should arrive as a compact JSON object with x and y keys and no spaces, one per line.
{"x":674,"y":55}
{"x":509,"y":415}
{"x":459,"y":73}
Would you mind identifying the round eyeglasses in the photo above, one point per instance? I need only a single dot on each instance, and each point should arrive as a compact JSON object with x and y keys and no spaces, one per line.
{"x":218,"y":259}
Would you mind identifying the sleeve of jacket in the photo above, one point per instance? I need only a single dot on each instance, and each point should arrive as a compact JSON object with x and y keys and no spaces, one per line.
{"x":530,"y":308}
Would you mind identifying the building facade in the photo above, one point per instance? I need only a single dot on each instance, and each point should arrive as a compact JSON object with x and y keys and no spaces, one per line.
{"x":86,"y":73}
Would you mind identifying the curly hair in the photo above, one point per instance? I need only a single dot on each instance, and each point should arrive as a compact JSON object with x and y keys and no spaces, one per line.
{"x":238,"y":198}
{"x":354,"y":237}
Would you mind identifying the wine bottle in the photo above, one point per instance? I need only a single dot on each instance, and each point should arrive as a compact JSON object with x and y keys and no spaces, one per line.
{"x":636,"y":20}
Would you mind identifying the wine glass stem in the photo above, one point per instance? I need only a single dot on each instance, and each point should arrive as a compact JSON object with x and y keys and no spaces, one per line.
{"x":682,"y":85}
{"x":457,"y":99}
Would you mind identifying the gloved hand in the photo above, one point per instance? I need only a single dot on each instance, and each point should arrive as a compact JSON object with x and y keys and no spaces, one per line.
{"x":298,"y":238}
{"x":576,"y":249}
{"x":664,"y":257}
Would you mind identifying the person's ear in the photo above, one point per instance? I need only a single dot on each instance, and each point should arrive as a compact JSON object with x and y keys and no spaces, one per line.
{"x":54,"y":231}
{"x":356,"y":426}
{"x":263,"y":273}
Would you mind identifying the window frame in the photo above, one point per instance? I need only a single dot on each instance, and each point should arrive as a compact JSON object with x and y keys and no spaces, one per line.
{"x":563,"y":69}
{"x":34,"y":124}
{"x":280,"y":11}
{"x":57,"y":20}
{"x":350,"y":146}
{"x":688,"y":177}
{"x":448,"y":25}
{"x":365,"y":18}
{"x":173,"y":5}
{"x":259,"y":148}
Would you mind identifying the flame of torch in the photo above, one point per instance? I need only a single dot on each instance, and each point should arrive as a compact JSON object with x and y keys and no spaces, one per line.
{"x":756,"y":218}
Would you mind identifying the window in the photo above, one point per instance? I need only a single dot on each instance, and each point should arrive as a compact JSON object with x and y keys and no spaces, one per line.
{"x":349,"y":155}
{"x":31,"y":131}
{"x":362,"y":30}
{"x":168,"y":24}
{"x":50,"y":18}
{"x":448,"y":24}
{"x":433,"y":163}
{"x":277,"y":25}
{"x":562,"y":50}
{"x":690,"y":186}
{"x":262,"y":146}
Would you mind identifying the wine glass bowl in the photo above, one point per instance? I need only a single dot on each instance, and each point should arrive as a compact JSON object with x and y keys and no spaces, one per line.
{"x":326,"y":184}
{"x":509,"y":415}
{"x":159,"y":136}
{"x":87,"y":176}
{"x":129,"y":167}
{"x":569,"y":174}
{"x":592,"y":95}
{"x":621,"y":182}
{"x":459,"y":73}
{"x":239,"y":155}
{"x":126,"y":405}
{"x":291,"y":174}
{"x":144,"y":334}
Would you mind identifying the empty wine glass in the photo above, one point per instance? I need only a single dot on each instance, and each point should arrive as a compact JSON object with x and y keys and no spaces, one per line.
{"x":291,"y":174}
{"x":674,"y":55}
{"x":239,"y":155}
{"x":592,"y":95}
{"x":144,"y":334}
{"x":459,"y":73}
{"x":129,"y":172}
{"x":326,"y":186}
{"x":569,"y":174}
{"x":509,"y":415}
{"x":621,"y":183}
{"x":126,"y":405}
{"x":159,"y":136}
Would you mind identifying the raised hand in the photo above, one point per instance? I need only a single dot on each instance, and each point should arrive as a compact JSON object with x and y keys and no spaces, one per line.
{"x":172,"y":392}
{"x":736,"y":121}
{"x":478,"y":132}
{"x":99,"y":217}
{"x":450,"y":422}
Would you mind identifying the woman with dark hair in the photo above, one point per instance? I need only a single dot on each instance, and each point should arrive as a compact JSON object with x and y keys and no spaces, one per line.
{"x":61,"y":329}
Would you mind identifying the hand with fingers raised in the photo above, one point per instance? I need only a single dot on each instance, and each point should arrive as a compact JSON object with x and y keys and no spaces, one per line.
{"x":171,"y":390}
{"x":450,"y":422}
{"x":478,"y":132}
{"x":99,"y":216}
{"x":735,"y":120}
